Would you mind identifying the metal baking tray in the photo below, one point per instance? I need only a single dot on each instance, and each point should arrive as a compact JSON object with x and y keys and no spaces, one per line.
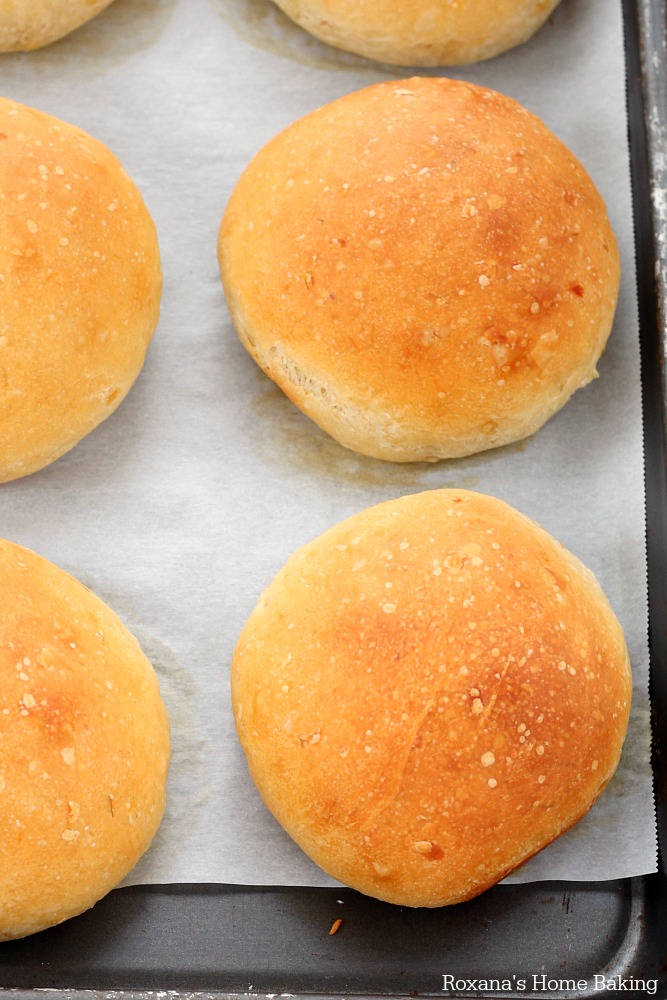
{"x":547,"y":940}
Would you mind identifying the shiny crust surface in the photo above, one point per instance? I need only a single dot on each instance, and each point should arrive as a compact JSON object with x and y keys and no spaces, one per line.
{"x":422,"y":267}
{"x":430,"y":693}
{"x":84,"y":746}
{"x":81,"y":284}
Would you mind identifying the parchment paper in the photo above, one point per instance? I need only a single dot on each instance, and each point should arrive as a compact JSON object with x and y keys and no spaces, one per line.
{"x":181,"y":507}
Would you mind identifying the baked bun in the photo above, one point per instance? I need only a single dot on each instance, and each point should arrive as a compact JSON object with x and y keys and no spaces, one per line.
{"x":419,"y":32}
{"x":430,"y":693}
{"x":422,"y":267}
{"x":81,"y":283}
{"x":85,"y":747}
{"x":30,"y":24}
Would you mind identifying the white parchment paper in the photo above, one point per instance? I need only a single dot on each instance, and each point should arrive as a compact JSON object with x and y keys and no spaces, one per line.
{"x":182,"y":506}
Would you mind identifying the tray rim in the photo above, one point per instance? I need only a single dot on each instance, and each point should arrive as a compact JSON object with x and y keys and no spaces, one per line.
{"x":648,"y":18}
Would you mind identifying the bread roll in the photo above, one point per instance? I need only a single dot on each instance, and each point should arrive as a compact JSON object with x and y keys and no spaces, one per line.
{"x":421,"y":32}
{"x":80,"y":286}
{"x":30,"y":24}
{"x":422,"y":267}
{"x":430,"y":693}
{"x":84,"y":747}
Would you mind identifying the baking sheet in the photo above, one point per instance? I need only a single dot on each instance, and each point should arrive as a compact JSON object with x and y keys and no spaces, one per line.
{"x":181,"y":507}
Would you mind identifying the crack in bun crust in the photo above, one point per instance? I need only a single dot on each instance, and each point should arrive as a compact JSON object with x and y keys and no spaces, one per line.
{"x":429,"y":693}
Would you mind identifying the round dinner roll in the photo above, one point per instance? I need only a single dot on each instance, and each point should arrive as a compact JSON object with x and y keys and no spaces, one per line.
{"x":421,"y":32}
{"x":430,"y":693}
{"x":422,"y":267}
{"x":84,"y":747}
{"x":30,"y":24}
{"x":80,"y":286}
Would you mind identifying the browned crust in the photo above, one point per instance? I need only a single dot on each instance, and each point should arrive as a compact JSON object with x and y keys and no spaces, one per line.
{"x":422,"y":267}
{"x":84,"y":746}
{"x":430,"y":693}
{"x":81,"y":284}
{"x":421,"y":32}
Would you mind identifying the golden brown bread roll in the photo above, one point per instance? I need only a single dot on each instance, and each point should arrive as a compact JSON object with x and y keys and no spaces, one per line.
{"x":84,"y":746}
{"x":430,"y":693}
{"x":80,"y":280}
{"x":421,"y":32}
{"x":30,"y":24}
{"x":422,"y":267}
